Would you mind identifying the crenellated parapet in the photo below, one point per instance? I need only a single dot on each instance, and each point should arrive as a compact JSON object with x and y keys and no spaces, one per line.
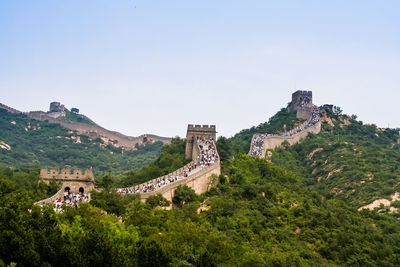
{"x":10,"y":109}
{"x":66,"y":174}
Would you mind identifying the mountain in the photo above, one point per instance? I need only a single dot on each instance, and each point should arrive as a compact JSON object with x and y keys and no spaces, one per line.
{"x":27,"y":142}
{"x":259,"y":214}
{"x":282,"y":210}
{"x":83,"y":125}
{"x":348,"y":160}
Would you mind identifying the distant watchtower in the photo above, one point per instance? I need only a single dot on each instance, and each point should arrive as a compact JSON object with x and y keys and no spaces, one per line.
{"x":206,"y":131}
{"x":55,"y":106}
{"x":300,"y":99}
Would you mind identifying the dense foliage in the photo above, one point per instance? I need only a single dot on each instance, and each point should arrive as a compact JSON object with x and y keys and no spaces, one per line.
{"x":36,"y":143}
{"x":276,"y":213}
{"x":262,"y":215}
{"x":275,"y":125}
{"x":27,"y":181}
{"x":355,"y":162}
{"x":72,"y":116}
{"x":348,"y":160}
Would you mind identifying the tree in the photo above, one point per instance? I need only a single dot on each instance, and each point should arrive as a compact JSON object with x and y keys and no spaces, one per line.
{"x":184,"y":194}
{"x":157,"y":201}
{"x":337,"y":110}
{"x":75,"y":110}
{"x":224,"y":147}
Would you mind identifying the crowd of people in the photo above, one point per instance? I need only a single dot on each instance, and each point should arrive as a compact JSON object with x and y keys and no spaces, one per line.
{"x":208,"y":155}
{"x":314,"y":119}
{"x":70,"y":199}
{"x":257,"y":144}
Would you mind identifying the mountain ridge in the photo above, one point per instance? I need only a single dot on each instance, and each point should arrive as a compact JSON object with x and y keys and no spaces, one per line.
{"x":93,"y":130}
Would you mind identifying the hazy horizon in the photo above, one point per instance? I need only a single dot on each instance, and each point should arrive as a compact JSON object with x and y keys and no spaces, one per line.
{"x":153,"y":67}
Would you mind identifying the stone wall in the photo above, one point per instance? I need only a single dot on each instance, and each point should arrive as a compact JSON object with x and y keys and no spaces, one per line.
{"x":10,"y":109}
{"x":200,"y":182}
{"x":272,"y":142}
{"x":304,"y":113}
{"x":53,"y":198}
{"x":127,"y":142}
{"x":95,"y":131}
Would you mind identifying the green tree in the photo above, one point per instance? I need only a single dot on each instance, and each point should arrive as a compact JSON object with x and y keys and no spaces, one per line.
{"x":183,"y":194}
{"x":157,"y":201}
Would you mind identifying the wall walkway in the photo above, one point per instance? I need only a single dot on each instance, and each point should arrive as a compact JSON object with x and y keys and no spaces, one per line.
{"x":311,"y":125}
{"x":199,"y":179}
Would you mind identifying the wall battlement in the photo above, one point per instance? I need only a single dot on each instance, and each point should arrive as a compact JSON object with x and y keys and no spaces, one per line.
{"x":9,"y":109}
{"x":66,"y":174}
{"x":201,"y":128}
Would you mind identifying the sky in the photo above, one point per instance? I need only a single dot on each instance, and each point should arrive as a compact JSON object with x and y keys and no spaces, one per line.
{"x":155,"y":66}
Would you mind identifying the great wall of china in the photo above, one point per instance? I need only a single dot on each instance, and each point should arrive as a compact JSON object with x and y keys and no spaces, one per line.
{"x":201,"y":148}
{"x":302,"y":104}
{"x":197,"y":174}
{"x":93,"y":130}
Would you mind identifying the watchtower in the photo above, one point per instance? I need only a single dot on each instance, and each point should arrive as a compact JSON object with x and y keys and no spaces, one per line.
{"x":205,"y":131}
{"x":72,"y":180}
{"x":300,"y":99}
{"x":55,"y":106}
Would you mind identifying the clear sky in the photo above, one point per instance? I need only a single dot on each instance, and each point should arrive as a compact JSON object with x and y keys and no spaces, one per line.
{"x":155,"y":66}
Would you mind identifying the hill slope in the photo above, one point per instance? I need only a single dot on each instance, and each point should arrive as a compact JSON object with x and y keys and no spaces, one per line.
{"x":347,"y":160}
{"x":259,"y":215}
{"x":25,"y":142}
{"x":85,"y":126}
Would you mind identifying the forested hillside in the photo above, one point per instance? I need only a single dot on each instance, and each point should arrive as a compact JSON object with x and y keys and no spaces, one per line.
{"x":275,"y":125}
{"x":259,"y":215}
{"x":26,"y":143}
{"x":356,"y":162}
{"x":348,"y":160}
{"x":298,"y":207}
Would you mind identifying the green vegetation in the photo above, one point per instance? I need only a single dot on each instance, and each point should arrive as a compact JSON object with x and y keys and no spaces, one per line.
{"x":262,"y":215}
{"x":354,"y":162}
{"x":73,"y":116}
{"x":183,"y":195}
{"x":275,"y":125}
{"x":36,"y":143}
{"x":300,"y":209}
{"x":357,"y":163}
{"x":27,"y":181}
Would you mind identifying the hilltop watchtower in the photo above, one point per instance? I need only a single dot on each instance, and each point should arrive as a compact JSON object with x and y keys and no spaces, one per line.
{"x":300,"y":99}
{"x":206,"y":131}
